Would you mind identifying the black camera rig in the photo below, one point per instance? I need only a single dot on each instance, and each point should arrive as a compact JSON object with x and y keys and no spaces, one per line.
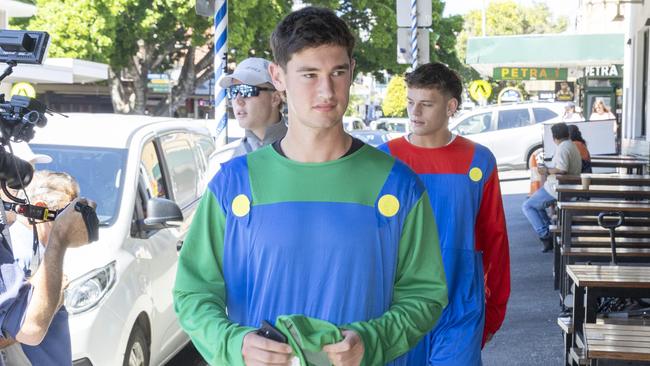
{"x":21,"y":114}
{"x":18,"y":117}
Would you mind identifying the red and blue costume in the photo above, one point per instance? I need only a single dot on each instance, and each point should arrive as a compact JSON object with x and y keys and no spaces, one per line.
{"x":463,"y":185}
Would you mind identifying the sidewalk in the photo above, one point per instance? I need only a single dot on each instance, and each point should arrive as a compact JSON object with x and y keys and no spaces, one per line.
{"x":530,"y":335}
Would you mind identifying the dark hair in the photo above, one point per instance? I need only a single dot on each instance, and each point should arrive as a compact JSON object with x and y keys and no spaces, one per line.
{"x":575,"y":134}
{"x":309,"y":27}
{"x":560,"y":131}
{"x":438,"y":76}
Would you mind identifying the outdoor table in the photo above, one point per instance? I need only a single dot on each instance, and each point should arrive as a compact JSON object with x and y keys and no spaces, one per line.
{"x":606,"y":179}
{"x":569,"y":209}
{"x":568,"y":191}
{"x":617,"y":157}
{"x":618,"y":342}
{"x":592,"y":282}
{"x":632,"y":166}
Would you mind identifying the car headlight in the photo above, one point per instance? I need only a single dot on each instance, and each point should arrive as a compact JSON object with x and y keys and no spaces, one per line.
{"x":87,"y":291}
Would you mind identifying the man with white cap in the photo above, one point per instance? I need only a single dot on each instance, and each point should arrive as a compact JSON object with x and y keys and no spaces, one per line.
{"x":257,"y":107}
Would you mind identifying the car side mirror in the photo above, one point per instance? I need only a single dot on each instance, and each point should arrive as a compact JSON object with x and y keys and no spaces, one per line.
{"x":162,"y":213}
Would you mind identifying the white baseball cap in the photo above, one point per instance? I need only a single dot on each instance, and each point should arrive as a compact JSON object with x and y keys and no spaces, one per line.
{"x":251,"y":71}
{"x":24,"y":152}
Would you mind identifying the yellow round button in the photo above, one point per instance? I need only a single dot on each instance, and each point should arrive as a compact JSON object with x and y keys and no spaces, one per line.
{"x":241,"y":205}
{"x":475,"y":174}
{"x":388,"y":205}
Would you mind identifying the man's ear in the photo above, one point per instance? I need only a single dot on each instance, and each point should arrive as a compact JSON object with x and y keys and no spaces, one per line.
{"x":276,"y":99}
{"x":277,"y":76}
{"x":452,"y":106}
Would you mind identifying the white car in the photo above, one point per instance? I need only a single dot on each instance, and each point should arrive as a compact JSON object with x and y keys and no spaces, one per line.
{"x":513,"y":132}
{"x":147,"y":175}
{"x":353,"y":123}
{"x":396,"y":126}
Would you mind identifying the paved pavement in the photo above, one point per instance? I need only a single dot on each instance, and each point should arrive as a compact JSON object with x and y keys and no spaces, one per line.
{"x":529,"y":335}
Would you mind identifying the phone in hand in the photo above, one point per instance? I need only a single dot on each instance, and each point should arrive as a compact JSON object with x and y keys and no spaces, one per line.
{"x":269,"y":331}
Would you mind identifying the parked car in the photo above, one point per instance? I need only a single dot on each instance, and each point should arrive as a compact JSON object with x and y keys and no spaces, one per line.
{"x":513,"y":132}
{"x":353,"y":123}
{"x":147,"y":176}
{"x":397,"y":126}
{"x":372,"y":138}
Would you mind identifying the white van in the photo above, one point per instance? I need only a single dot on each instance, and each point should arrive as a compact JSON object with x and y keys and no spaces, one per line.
{"x":147,"y":176}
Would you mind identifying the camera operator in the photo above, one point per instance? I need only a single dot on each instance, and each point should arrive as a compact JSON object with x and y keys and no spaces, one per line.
{"x":30,"y":310}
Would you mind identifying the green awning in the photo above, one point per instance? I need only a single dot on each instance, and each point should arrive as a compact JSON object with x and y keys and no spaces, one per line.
{"x":546,"y":50}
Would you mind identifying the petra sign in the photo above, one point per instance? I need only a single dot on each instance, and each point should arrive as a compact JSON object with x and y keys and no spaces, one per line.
{"x":607,"y":71}
{"x":529,"y":73}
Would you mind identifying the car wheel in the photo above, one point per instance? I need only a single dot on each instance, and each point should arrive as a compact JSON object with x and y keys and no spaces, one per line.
{"x":536,"y":151}
{"x":137,"y":349}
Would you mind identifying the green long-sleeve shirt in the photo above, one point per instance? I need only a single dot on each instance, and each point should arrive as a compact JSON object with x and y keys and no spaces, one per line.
{"x":351,"y":241}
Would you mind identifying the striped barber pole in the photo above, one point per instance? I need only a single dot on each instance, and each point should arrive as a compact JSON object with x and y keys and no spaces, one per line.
{"x":220,"y":60}
{"x":414,"y":34}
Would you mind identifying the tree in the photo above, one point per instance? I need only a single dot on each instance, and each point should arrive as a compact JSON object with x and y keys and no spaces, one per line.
{"x":374,"y":24}
{"x":394,"y":104}
{"x":509,"y":18}
{"x":138,"y":37}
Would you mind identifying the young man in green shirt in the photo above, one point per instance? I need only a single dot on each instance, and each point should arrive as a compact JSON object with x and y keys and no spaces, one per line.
{"x":318,"y":224}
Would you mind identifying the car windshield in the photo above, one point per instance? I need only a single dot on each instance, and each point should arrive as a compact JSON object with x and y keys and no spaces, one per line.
{"x":395,"y":127}
{"x":372,"y":139}
{"x":99,"y":172}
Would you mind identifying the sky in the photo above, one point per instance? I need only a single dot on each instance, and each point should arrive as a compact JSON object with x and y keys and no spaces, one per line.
{"x":558,"y":7}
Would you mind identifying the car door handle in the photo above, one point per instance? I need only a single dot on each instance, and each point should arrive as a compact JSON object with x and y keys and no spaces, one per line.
{"x":179,"y":245}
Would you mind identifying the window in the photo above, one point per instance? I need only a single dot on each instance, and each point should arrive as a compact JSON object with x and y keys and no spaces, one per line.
{"x":513,"y":118}
{"x":474,"y":124}
{"x":99,"y":172}
{"x":181,"y":163}
{"x":205,"y":147}
{"x":543,"y":114}
{"x":206,"y":144}
{"x":152,"y":175}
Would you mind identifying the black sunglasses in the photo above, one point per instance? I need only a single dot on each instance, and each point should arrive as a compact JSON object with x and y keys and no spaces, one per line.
{"x":244,"y":90}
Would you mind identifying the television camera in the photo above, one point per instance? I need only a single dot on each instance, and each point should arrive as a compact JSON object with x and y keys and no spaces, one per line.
{"x":18,"y":118}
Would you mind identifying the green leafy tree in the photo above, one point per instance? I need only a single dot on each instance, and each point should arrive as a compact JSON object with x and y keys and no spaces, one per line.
{"x":138,"y":37}
{"x":374,"y":23}
{"x":394,"y":104}
{"x":354,"y":106}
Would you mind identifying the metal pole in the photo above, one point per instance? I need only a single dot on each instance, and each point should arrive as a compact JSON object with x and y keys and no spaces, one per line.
{"x":171,"y":100}
{"x":220,"y":61}
{"x":414,"y":34}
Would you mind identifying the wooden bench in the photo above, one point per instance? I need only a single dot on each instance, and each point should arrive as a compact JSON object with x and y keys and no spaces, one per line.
{"x":595,"y":230}
{"x":617,"y":342}
{"x":593,"y":220}
{"x":566,"y":325}
{"x":607,"y":179}
{"x":622,"y":231}
{"x":604,"y":242}
{"x":578,"y":356}
{"x":590,"y":253}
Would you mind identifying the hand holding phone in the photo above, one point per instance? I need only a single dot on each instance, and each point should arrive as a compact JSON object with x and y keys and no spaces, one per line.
{"x":269,"y":331}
